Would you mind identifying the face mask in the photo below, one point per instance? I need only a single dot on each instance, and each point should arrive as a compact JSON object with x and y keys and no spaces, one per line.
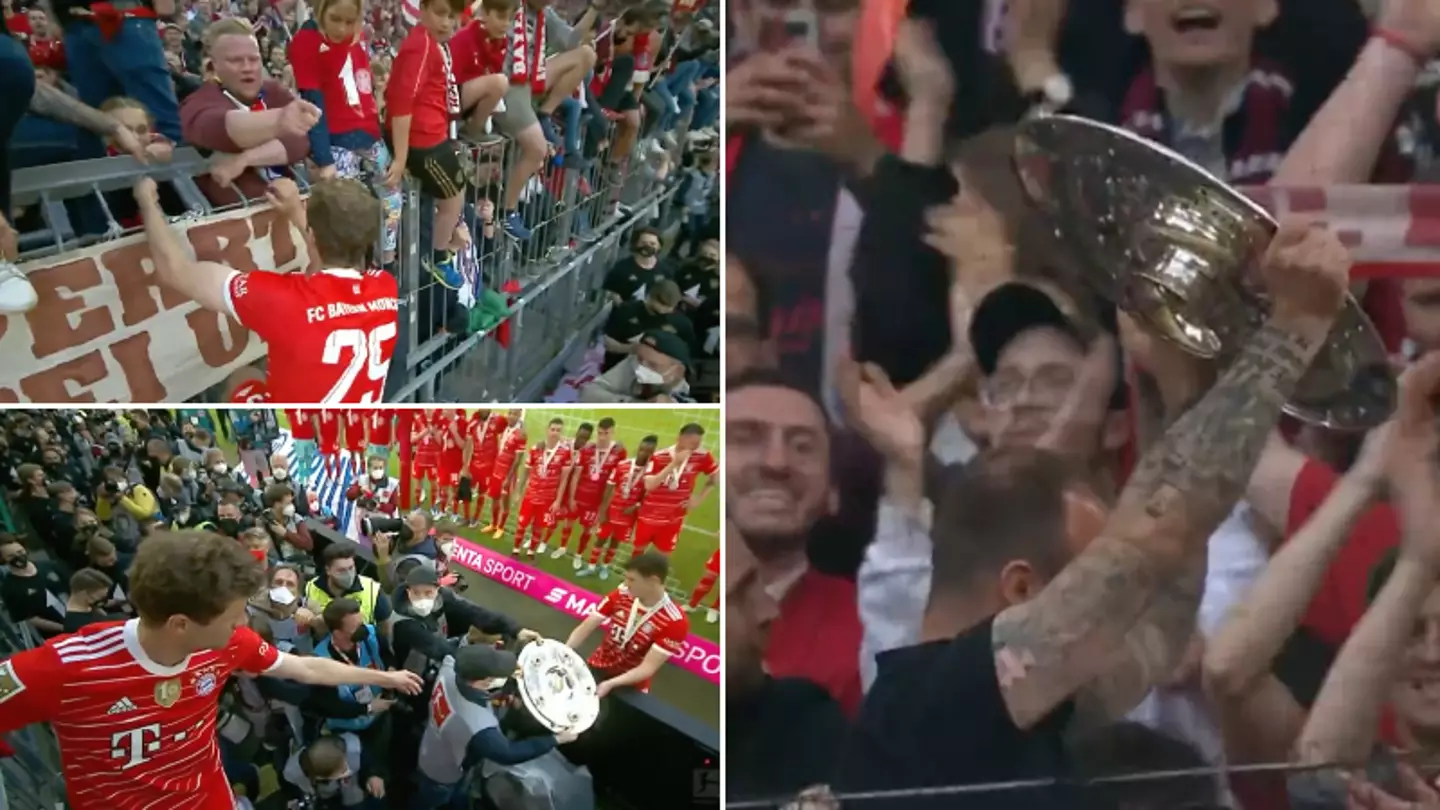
{"x":121,"y":486}
{"x":281,"y":475}
{"x":646,"y":251}
{"x":281,"y":595}
{"x":230,"y":526}
{"x":220,"y":469}
{"x":289,"y":510}
{"x":360,"y":635}
{"x":189,"y":475}
{"x":345,"y":579}
{"x":328,"y":788}
{"x":422,"y":607}
{"x":20,"y":561}
{"x":648,"y":376}
{"x":376,"y":475}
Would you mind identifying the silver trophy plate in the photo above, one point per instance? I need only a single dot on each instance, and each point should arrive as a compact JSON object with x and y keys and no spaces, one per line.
{"x":556,"y":686}
{"x":1174,"y":246}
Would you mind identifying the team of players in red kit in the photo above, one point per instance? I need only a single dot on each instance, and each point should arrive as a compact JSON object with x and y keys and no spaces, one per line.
{"x":588,"y":481}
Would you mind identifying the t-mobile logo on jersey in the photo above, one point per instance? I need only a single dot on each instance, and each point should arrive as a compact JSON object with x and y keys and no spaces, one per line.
{"x":135,"y":745}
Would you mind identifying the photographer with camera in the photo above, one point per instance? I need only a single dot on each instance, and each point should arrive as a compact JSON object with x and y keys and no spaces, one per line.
{"x":149,"y":462}
{"x":339,"y":578}
{"x":377,"y":494}
{"x":464,"y":730}
{"x":427,"y":615}
{"x":396,"y":542}
{"x":126,"y":509}
{"x":279,"y":519}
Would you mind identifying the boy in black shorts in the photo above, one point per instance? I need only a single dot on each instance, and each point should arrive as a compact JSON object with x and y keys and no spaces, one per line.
{"x":423,"y":104}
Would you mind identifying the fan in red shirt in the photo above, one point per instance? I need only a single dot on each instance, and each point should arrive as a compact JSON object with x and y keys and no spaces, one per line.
{"x":542,"y":480}
{"x":377,"y":486}
{"x":477,"y":52}
{"x":623,"y":494}
{"x":453,"y":426}
{"x":703,"y":587}
{"x":133,"y":703}
{"x":670,"y":490}
{"x":643,"y":627}
{"x":425,"y":441}
{"x":337,"y":325}
{"x":422,"y":102}
{"x":332,"y":71}
{"x":354,"y":434}
{"x":379,"y":432}
{"x":593,"y":471}
{"x":502,"y":477}
{"x":482,"y":445}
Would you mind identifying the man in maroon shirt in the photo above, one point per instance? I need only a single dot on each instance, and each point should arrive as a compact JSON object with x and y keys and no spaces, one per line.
{"x":777,"y":444}
{"x":422,"y":101}
{"x":254,"y":123}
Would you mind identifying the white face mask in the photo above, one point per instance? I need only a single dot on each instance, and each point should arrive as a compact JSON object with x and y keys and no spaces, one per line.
{"x":220,"y":469}
{"x":189,"y":475}
{"x":282,"y":474}
{"x":289,"y":510}
{"x":281,"y":595}
{"x":422,"y":607}
{"x":121,"y":486}
{"x":648,"y":376}
{"x":376,"y":475}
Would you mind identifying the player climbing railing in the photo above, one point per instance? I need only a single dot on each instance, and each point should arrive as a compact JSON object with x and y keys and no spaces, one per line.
{"x":103,"y":331}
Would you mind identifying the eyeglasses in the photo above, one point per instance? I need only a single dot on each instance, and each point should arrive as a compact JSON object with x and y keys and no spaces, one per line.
{"x":1046,"y":387}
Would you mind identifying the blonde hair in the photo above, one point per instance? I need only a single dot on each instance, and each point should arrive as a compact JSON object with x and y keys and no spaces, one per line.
{"x":123,"y":103}
{"x":322,"y":6}
{"x":227,"y":27}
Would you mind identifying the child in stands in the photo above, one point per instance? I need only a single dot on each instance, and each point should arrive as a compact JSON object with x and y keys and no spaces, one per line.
{"x":423,"y":103}
{"x":478,"y":51}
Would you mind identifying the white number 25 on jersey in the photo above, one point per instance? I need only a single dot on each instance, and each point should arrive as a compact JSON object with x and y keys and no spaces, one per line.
{"x":366,"y":353}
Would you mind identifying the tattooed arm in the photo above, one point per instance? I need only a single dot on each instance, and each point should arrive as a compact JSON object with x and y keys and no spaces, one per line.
{"x":1078,"y":631}
{"x":57,"y":105}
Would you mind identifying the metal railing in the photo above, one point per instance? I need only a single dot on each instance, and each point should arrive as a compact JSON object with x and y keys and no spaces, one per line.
{"x":543,"y":294}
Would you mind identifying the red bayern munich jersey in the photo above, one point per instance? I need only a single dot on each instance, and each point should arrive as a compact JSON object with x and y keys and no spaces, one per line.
{"x":427,"y":440}
{"x":629,"y":482}
{"x":512,"y":443}
{"x":134,"y":734}
{"x":380,"y":427}
{"x":595,"y":468}
{"x":546,"y":465}
{"x":668,"y":502}
{"x":485,"y":434}
{"x":631,"y":630}
{"x":340,"y":71}
{"x":452,"y":442}
{"x":473,"y":53}
{"x":329,"y":429}
{"x":331,"y":333}
{"x":302,"y":428}
{"x":355,"y":419}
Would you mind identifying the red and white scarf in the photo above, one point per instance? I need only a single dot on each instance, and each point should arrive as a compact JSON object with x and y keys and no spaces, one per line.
{"x":527,"y":64}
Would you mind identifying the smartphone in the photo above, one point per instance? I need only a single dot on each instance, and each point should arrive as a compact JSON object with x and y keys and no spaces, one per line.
{"x":802,"y":26}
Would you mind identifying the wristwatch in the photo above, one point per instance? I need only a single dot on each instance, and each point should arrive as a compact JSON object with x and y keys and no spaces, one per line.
{"x":1054,"y":94}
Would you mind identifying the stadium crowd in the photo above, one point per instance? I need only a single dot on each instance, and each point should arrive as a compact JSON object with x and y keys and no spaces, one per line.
{"x":487,"y":106}
{"x":994,"y":544}
{"x":142,"y":549}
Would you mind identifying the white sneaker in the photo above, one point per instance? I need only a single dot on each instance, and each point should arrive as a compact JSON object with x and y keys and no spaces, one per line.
{"x":674,"y":105}
{"x":605,"y":572}
{"x":579,"y":563}
{"x":556,"y":554}
{"x":540,"y":550}
{"x":17,"y":294}
{"x":712,"y":615}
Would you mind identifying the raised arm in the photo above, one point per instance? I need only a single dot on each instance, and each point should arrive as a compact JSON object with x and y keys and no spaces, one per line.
{"x":204,"y":282}
{"x":1343,"y":722}
{"x":1076,"y":633}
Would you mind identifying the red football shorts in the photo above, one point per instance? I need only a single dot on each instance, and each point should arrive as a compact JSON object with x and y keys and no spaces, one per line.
{"x":499,"y":487}
{"x":664,"y":536}
{"x":448,"y":477}
{"x":713,"y":564}
{"x":330,"y":449}
{"x":480,"y":475}
{"x":587,"y":513}
{"x":617,"y":530}
{"x":426,"y":473}
{"x":529,"y":511}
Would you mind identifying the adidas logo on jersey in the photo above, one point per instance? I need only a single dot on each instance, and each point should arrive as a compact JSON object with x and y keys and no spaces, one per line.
{"x":121,"y":706}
